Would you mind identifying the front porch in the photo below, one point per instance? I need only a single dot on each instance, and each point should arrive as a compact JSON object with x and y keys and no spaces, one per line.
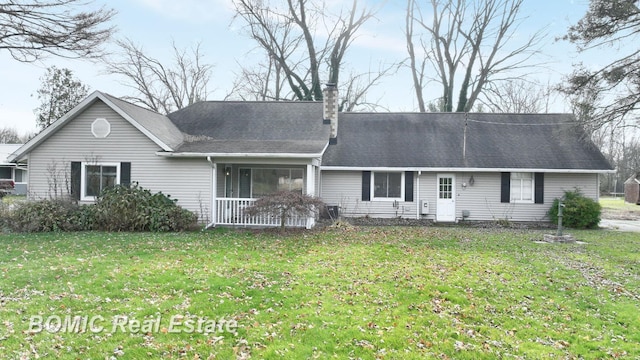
{"x":239,"y":183}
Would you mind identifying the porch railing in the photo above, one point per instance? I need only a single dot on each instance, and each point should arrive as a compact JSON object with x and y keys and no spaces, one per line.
{"x":230,"y":211}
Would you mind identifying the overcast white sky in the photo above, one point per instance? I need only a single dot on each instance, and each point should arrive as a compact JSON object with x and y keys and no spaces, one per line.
{"x":155,"y":23}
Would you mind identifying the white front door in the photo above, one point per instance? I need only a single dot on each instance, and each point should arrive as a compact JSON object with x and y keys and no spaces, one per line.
{"x":446,"y":203}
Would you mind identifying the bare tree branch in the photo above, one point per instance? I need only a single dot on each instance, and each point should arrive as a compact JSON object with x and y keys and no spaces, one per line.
{"x":516,"y":96}
{"x":31,"y":29}
{"x":291,"y":35}
{"x":161,"y":87}
{"x":468,"y":37}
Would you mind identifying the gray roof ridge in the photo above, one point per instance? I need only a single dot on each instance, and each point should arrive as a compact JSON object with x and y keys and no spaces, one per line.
{"x":113,"y":97}
{"x":260,"y":101}
{"x":452,"y":112}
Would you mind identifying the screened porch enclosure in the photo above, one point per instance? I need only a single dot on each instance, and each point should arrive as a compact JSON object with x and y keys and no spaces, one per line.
{"x":239,"y":186}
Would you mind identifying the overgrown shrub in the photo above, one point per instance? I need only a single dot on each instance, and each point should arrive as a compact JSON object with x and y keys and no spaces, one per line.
{"x":48,"y":215}
{"x":579,"y":212}
{"x":5,"y":217}
{"x":118,"y":208}
{"x":133,"y":208}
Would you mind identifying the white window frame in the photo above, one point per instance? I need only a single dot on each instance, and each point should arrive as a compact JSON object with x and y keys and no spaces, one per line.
{"x":83,"y":177}
{"x":533,"y":189}
{"x":373,"y":186}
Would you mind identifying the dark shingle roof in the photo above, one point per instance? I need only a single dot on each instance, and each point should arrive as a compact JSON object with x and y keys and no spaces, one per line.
{"x":507,"y":141}
{"x":252,"y":127}
{"x":157,"y":124}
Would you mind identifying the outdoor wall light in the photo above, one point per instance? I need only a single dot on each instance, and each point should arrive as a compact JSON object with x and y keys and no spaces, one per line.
{"x":227,"y":170}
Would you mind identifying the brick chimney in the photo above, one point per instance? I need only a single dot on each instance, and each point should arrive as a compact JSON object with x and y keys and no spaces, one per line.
{"x":330,"y":111}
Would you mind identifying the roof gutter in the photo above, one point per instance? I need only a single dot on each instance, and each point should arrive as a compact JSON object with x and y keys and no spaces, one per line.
{"x":466,"y":169}
{"x":238,"y":155}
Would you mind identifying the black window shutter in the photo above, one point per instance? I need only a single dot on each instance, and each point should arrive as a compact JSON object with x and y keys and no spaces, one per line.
{"x":539,"y":192}
{"x":76,"y":173}
{"x":505,"y":187}
{"x":366,"y":186}
{"x":408,"y":186}
{"x":125,"y":173}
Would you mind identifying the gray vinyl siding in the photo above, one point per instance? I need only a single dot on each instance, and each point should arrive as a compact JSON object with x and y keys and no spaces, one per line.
{"x":344,"y":188}
{"x":482,"y":199}
{"x":20,"y":189}
{"x":188,"y":180}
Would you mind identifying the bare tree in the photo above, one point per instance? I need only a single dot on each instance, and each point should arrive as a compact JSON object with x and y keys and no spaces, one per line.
{"x":466,"y":38}
{"x":357,"y":86}
{"x":162,"y":87}
{"x":10,"y":136}
{"x":261,"y":83}
{"x":31,"y":29}
{"x":517,"y":96}
{"x":416,"y":64}
{"x":286,"y":31}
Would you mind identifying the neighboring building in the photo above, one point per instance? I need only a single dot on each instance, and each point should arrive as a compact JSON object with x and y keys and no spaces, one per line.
{"x":13,"y":171}
{"x":217,"y":157}
{"x":632,"y":190}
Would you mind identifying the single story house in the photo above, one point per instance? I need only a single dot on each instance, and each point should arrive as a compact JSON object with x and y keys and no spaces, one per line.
{"x":217,"y":157}
{"x":632,"y":189}
{"x":12,"y":171}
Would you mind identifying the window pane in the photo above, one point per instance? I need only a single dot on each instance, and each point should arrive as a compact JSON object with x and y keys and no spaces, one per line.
{"x":445,"y":189}
{"x":380,"y":184}
{"x":245,"y":183}
{"x":297,"y":180}
{"x":521,"y":186}
{"x":521,"y":175}
{"x":516,"y":186}
{"x":5,"y":173}
{"x":284,"y":179}
{"x":395,"y":185}
{"x":109,"y":177}
{"x":20,"y":176}
{"x":92,"y":175}
{"x":387,"y":185}
{"x":265,"y":182}
{"x":527,"y":189}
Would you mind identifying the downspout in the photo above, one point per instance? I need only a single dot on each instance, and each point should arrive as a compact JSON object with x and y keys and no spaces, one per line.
{"x":418,"y":195}
{"x":310,"y":190}
{"x":214,"y":188}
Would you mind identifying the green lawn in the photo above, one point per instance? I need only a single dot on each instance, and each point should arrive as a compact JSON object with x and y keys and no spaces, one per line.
{"x":618,"y":203}
{"x":379,"y":292}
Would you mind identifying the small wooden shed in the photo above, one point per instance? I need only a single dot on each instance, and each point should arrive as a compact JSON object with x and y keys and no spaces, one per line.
{"x":632,"y":189}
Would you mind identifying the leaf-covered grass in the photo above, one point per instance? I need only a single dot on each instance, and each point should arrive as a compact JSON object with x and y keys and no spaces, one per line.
{"x":379,"y":292}
{"x":618,"y":204}
{"x":12,"y":199}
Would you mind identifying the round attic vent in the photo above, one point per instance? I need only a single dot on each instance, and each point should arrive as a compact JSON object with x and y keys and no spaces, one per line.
{"x":100,"y":128}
